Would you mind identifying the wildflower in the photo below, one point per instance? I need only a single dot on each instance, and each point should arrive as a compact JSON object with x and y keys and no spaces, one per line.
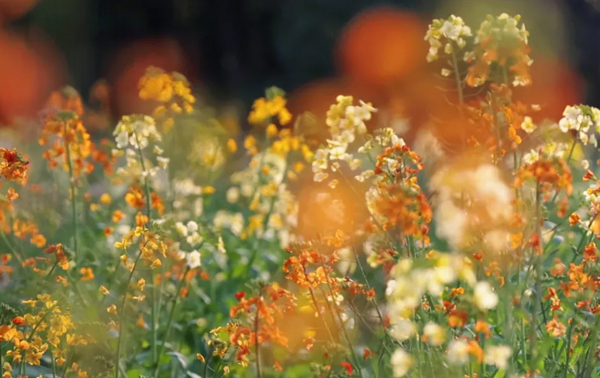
{"x":401,"y":362}
{"x":348,"y":367}
{"x":433,"y":334}
{"x":497,"y":355}
{"x":193,"y":260}
{"x":87,"y":274}
{"x":484,"y":296}
{"x":556,"y":328}
{"x":221,"y":245}
{"x":136,"y":131}
{"x":231,"y":145}
{"x":233,"y":194}
{"x":458,"y":352}
{"x":192,"y":226}
{"x":449,"y":33}
{"x":112,"y":309}
{"x":403,"y":329}
{"x":141,"y":284}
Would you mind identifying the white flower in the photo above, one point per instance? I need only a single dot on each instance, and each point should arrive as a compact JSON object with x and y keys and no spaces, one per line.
{"x":434,"y":334}
{"x":122,"y":139}
{"x":193,"y":260}
{"x":181,"y":229}
{"x":163,"y":162}
{"x":221,"y":245}
{"x":401,"y":362}
{"x":403,"y":329}
{"x":192,"y":226}
{"x":585,"y":164}
{"x":458,"y":352}
{"x":320,"y":176}
{"x":531,"y":157}
{"x":484,"y":296}
{"x":527,"y":125}
{"x":233,"y":194}
{"x":194,"y":239}
{"x":498,"y":356}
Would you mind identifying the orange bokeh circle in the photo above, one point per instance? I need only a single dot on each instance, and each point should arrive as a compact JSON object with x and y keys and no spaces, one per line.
{"x":382,"y":45}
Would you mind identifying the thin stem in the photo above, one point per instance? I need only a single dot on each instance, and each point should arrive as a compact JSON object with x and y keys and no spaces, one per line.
{"x":461,"y":98}
{"x":537,"y":286}
{"x":568,"y":348}
{"x":169,"y":322}
{"x":342,"y":326}
{"x":73,"y":198}
{"x":154,"y":307}
{"x":256,"y":345}
{"x":122,"y":316}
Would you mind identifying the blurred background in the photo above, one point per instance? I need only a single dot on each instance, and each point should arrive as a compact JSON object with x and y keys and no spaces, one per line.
{"x":314,"y":49}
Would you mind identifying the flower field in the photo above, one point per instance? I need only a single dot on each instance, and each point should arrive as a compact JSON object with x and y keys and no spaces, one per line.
{"x":175,"y":246}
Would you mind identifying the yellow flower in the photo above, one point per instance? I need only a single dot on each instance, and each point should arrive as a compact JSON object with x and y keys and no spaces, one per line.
{"x":105,"y":199}
{"x":272,"y":130}
{"x":208,"y":190}
{"x":141,"y":284}
{"x":112,"y":309}
{"x":231,"y":145}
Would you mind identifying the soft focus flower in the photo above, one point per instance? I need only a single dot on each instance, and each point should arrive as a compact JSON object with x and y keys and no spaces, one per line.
{"x":484,"y":296}
{"x":401,"y":362}
{"x":434,"y":334}
{"x":497,"y":355}
{"x":193,"y":260}
{"x":458,"y":352}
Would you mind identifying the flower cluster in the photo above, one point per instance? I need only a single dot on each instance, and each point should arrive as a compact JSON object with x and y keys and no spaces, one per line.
{"x":583,"y":120}
{"x":473,"y":205}
{"x":138,"y":132}
{"x":63,"y":128}
{"x":500,"y":40}
{"x":346,"y":121}
{"x":265,"y":108}
{"x":449,"y":34}
{"x":172,"y":91}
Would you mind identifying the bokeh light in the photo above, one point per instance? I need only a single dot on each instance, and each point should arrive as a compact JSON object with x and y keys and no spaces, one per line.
{"x":14,"y":9}
{"x":130,"y":63}
{"x":382,"y":45}
{"x":28,"y":76}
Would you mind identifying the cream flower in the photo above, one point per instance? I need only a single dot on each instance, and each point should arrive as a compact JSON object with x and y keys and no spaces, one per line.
{"x":401,"y":362}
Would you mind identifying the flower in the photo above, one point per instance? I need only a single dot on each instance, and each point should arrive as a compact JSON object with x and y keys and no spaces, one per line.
{"x":193,"y":260}
{"x":136,"y":131}
{"x":458,"y":352}
{"x":401,"y":362}
{"x":497,"y":355}
{"x":434,"y":334}
{"x":484,"y":296}
{"x":403,"y":329}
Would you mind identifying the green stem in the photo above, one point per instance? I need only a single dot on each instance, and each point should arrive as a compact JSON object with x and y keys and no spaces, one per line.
{"x":461,"y":98}
{"x":169,"y":322}
{"x":538,"y":271}
{"x":256,"y":345}
{"x":73,"y":197}
{"x":154,"y":308}
{"x":122,"y":315}
{"x":592,"y":351}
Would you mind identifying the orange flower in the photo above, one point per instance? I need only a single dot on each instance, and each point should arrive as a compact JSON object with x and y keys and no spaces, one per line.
{"x":135,"y":198}
{"x":87,"y":274}
{"x":556,"y":328}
